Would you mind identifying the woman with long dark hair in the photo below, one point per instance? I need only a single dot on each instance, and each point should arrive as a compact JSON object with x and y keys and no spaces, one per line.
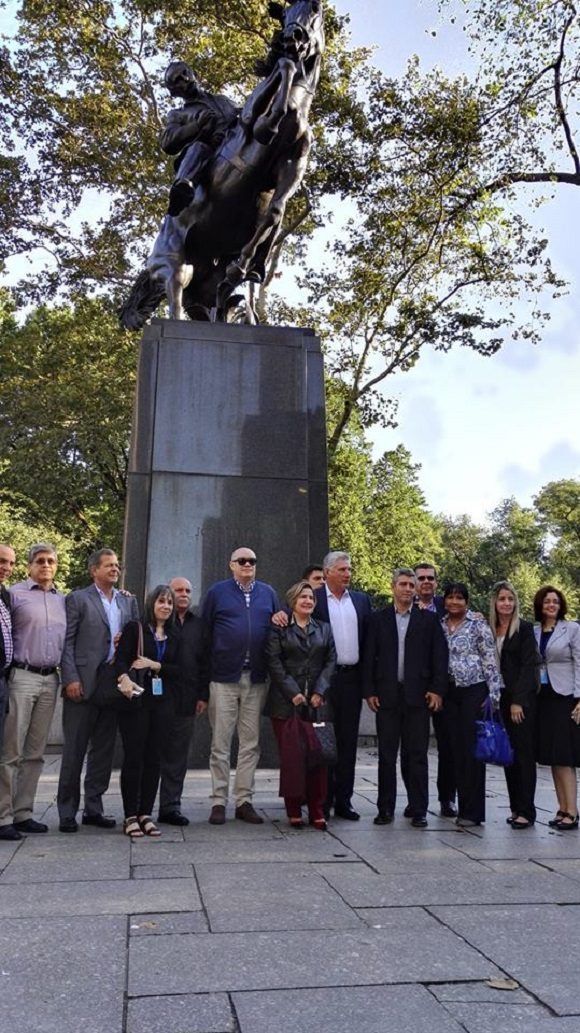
{"x":518,"y":659}
{"x":558,"y":741}
{"x":148,"y":672}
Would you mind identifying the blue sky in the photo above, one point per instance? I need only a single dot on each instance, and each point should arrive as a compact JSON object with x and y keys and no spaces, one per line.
{"x":482,"y":429}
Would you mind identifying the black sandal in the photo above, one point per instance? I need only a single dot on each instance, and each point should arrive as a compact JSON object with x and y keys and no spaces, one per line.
{"x":148,"y":826}
{"x":565,"y":826}
{"x":519,"y":822}
{"x":554,"y":822}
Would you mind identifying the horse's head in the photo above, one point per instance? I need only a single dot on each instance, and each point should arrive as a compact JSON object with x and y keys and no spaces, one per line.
{"x":302,"y":34}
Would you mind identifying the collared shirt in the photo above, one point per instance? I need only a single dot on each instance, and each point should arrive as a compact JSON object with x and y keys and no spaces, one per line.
{"x":472,"y":654}
{"x":38,"y":624}
{"x":402,"y":620}
{"x":6,"y":630}
{"x":247,"y":590}
{"x":430,"y":606}
{"x":113,"y":614}
{"x":344,"y":624}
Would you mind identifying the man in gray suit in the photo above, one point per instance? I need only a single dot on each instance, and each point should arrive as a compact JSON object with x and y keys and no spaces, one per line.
{"x":95,"y":618}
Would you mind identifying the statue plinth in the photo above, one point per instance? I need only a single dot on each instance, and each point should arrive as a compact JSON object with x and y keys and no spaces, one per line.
{"x":228,"y":448}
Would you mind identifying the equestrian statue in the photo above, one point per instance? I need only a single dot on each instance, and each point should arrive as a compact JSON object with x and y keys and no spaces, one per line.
{"x":235,"y":171}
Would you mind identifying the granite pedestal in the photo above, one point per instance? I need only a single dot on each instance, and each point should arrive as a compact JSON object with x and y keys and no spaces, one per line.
{"x":228,"y":448}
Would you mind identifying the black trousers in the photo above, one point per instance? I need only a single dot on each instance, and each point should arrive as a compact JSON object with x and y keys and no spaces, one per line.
{"x":521,"y":775}
{"x":463,"y":706}
{"x":144,"y":731}
{"x":346,"y":700}
{"x":174,"y":756}
{"x":446,"y":787}
{"x":408,"y":728}
{"x":91,"y":731}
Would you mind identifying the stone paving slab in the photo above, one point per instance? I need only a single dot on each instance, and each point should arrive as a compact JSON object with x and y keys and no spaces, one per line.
{"x":168,"y":923}
{"x":388,"y":849}
{"x":166,"y":871}
{"x":502,"y":843}
{"x":281,"y":896}
{"x":467,"y":993}
{"x":497,"y":1018}
{"x":399,"y":1009}
{"x":188,"y":1013}
{"x":362,"y":888}
{"x":278,"y":960}
{"x":48,"y":858}
{"x":312,"y":846}
{"x":122,"y":897}
{"x":62,"y":974}
{"x":538,"y":945}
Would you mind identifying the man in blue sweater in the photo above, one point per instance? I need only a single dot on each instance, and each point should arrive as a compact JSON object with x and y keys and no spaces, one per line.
{"x":238,"y":614}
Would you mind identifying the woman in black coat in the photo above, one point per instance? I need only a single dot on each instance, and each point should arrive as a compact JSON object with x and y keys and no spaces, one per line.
{"x":518,"y":657}
{"x":301,"y":661}
{"x":148,"y":673}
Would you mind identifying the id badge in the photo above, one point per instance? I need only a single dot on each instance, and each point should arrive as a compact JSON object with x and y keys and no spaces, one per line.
{"x":157,"y":686}
{"x":543,"y":675}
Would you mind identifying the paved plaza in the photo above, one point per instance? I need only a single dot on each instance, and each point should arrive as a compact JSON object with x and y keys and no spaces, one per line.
{"x":245,"y":929}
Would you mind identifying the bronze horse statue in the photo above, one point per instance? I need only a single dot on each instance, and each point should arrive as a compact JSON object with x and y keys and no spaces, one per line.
{"x":223,"y":236}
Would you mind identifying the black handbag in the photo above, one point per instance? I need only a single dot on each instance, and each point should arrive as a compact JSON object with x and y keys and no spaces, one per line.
{"x":324,"y":754}
{"x":107,"y":693}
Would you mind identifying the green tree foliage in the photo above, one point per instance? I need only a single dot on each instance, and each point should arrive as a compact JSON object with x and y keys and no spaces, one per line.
{"x":68,"y":376}
{"x":528,"y":86}
{"x":22,"y":525}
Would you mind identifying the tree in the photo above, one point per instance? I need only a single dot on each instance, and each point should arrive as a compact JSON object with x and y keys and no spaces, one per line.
{"x":558,"y":508}
{"x":65,"y":415}
{"x":22,"y":525}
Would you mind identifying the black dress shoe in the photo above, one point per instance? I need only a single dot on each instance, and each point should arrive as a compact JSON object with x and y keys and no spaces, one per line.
{"x":9,"y":832}
{"x":68,"y":825}
{"x":172,"y":818}
{"x":419,"y":822}
{"x":30,"y":825}
{"x":347,"y":813}
{"x":102,"y":821}
{"x":383,"y":819}
{"x":448,"y":810}
{"x":408,"y":812}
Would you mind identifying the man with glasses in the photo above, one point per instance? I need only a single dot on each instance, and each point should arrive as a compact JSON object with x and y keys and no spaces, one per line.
{"x":38,"y":629}
{"x":7,"y":563}
{"x":238,"y":613}
{"x":426,"y":599}
{"x":96,"y":617}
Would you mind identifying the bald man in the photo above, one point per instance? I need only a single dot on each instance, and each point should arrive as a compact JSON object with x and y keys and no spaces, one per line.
{"x":192,"y":700}
{"x":237,"y":613}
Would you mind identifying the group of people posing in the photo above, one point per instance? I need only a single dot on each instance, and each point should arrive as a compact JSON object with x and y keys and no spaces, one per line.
{"x":424,"y":657}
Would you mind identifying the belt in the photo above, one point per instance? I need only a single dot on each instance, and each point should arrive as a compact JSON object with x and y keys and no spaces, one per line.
{"x":44,"y":671}
{"x":346,"y":667}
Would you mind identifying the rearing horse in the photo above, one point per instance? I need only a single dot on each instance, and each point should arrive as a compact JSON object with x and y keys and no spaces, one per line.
{"x":224,"y":237}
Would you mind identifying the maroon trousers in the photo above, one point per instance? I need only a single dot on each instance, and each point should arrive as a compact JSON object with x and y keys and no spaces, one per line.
{"x":309,"y":785}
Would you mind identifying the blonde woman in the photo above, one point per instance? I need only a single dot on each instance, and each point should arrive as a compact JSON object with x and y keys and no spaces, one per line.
{"x":519,"y":662}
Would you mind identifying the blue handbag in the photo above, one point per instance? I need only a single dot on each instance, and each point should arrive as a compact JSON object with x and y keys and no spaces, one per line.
{"x":492,"y":744}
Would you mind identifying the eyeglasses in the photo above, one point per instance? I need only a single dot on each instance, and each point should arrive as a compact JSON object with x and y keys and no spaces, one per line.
{"x":425,"y":577}
{"x":246,"y":561}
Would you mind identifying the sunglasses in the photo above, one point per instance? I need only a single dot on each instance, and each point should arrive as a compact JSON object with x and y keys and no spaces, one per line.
{"x":246,"y":561}
{"x":425,"y":577}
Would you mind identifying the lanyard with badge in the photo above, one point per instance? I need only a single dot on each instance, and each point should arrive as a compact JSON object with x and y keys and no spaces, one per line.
{"x":156,"y":681}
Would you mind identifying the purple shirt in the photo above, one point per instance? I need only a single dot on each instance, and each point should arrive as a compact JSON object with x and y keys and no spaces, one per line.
{"x":38,"y":624}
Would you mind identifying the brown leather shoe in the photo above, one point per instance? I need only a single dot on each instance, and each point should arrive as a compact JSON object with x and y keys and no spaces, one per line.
{"x":218,"y":815}
{"x":247,"y":813}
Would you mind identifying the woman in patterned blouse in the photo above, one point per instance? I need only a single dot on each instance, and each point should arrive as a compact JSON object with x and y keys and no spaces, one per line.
{"x":473,"y":676}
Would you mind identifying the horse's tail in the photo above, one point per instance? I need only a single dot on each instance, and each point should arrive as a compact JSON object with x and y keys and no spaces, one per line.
{"x":146,"y":295}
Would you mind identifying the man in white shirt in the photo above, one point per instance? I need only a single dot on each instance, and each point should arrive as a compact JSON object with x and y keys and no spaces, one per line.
{"x":347,"y":611}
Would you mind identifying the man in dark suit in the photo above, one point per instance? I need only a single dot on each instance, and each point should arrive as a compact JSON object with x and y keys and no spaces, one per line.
{"x":427,"y":599}
{"x":405,"y":678}
{"x":192,"y":701}
{"x":95,"y":617}
{"x":7,"y":562}
{"x":347,"y":611}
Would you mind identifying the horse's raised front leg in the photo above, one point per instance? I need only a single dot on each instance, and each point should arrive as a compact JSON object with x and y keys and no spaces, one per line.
{"x":290,"y":174}
{"x":267,"y":125}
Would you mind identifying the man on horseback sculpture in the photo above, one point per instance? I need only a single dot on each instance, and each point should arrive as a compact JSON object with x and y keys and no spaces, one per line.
{"x":192,"y":132}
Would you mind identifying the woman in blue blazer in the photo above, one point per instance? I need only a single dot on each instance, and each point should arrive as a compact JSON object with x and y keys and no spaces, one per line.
{"x":559,"y":701}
